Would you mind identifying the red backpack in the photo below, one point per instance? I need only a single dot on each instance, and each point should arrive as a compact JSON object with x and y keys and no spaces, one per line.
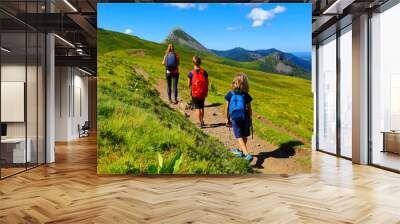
{"x":199,"y":84}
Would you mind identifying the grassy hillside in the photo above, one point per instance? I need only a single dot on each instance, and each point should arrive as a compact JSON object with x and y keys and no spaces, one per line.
{"x":286,"y":101}
{"x":138,"y":133}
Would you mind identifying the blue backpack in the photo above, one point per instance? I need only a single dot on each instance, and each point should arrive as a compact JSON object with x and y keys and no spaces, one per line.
{"x":171,"y":61}
{"x":237,"y":107}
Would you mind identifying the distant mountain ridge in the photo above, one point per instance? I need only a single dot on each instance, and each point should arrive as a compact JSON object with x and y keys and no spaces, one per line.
{"x":241,"y":54}
{"x":268,"y":60}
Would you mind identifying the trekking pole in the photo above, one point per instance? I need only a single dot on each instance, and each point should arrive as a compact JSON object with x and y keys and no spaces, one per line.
{"x":229,"y":124}
{"x":229,"y":129}
{"x":252,"y":129}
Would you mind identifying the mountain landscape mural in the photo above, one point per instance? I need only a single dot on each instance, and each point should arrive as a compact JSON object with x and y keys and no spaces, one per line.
{"x":141,"y":132}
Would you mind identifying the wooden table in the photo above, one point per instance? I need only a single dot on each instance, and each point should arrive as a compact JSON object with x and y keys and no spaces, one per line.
{"x":391,"y":141}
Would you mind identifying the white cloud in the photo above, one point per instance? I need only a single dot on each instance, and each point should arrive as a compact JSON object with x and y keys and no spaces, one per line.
{"x":200,"y":7}
{"x":257,"y":23}
{"x":279,"y":9}
{"x":251,"y":4}
{"x":233,"y":28}
{"x":128,"y":31}
{"x":259,"y":15}
{"x":182,"y":5}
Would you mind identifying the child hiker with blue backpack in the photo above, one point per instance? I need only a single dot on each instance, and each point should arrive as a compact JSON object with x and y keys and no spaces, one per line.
{"x":238,"y":114}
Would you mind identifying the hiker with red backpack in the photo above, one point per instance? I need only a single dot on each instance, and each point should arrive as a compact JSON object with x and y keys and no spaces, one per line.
{"x":198,"y":80}
{"x":238,"y":114}
{"x":171,"y":62}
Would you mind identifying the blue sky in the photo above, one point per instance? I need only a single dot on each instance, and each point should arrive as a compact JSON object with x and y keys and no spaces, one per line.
{"x":220,"y":26}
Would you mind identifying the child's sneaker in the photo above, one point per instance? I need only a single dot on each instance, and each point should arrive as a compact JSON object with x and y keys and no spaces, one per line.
{"x":237,"y":152}
{"x":248,"y":157}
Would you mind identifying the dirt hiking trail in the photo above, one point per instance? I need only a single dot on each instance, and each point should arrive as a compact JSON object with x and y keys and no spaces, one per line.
{"x":268,"y":158}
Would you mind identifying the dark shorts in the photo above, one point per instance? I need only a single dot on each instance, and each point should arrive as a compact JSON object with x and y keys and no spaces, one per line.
{"x":171,"y":74}
{"x":198,"y":103}
{"x":241,"y":129}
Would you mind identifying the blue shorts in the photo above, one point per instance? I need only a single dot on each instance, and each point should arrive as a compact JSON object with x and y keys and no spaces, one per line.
{"x":241,"y":129}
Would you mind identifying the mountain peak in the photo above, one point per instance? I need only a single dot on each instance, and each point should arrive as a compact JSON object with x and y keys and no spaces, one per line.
{"x":180,"y":37}
{"x":176,"y":29}
{"x":239,"y":49}
{"x":276,"y":56}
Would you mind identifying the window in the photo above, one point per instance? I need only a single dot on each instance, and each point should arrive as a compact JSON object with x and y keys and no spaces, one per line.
{"x":327,"y":95}
{"x":22,"y":88}
{"x":346,"y":92}
{"x":385,"y":89}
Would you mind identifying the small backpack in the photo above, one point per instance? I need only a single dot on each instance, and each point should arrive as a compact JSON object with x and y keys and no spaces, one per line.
{"x":199,"y":84}
{"x":237,"y":107}
{"x":171,"y":61}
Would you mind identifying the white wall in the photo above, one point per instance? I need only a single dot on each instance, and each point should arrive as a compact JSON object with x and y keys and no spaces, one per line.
{"x":62,"y":82}
{"x":33,"y":126}
{"x":71,"y":87}
{"x":11,"y":73}
{"x":14,"y":72}
{"x":81,"y":88}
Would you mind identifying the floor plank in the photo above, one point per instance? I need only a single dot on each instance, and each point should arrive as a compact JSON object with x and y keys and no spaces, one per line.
{"x":70,"y":191}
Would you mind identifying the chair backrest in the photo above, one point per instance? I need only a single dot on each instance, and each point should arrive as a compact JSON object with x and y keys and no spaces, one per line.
{"x":86,"y":125}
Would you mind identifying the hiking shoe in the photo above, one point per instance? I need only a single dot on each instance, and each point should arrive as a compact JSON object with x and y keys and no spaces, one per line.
{"x":237,"y":152}
{"x":175,"y":101}
{"x":169,"y":100}
{"x":202,"y":125}
{"x":248,"y":157}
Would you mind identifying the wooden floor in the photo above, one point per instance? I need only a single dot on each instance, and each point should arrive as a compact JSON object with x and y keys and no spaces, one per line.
{"x":387,"y":159}
{"x":69,"y":191}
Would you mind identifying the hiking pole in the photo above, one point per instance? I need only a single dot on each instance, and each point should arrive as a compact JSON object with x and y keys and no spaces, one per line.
{"x":252,"y":129}
{"x":229,"y":125}
{"x":229,"y":128}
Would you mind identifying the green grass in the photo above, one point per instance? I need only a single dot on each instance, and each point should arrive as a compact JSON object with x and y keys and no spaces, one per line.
{"x":139,"y":134}
{"x":286,"y":101}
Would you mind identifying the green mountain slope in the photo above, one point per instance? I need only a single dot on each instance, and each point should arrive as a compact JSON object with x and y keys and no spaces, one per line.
{"x":286,"y":101}
{"x":138,"y":133}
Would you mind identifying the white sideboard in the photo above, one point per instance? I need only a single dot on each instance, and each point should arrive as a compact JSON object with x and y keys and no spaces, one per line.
{"x":18,"y":149}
